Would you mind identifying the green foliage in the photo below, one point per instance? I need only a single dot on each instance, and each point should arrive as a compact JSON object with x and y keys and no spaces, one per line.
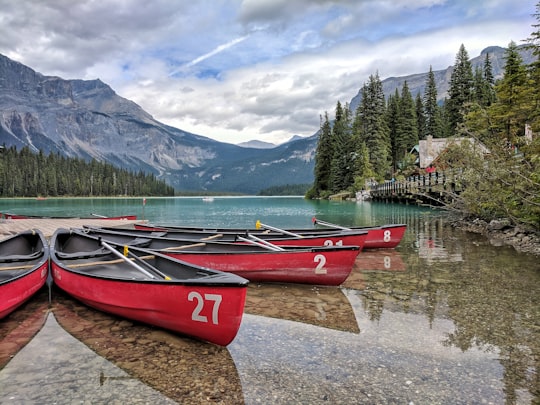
{"x":26,"y":174}
{"x":504,"y":183}
{"x":287,"y":189}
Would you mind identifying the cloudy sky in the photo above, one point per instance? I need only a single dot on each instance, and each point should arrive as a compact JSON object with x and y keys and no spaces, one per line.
{"x":237,"y":70}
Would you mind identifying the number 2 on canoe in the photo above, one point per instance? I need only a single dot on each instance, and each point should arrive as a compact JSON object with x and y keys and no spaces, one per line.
{"x":321,"y":261}
{"x":196,"y":315}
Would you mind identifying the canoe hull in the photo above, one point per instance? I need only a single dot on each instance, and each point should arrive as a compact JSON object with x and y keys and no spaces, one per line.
{"x":378,"y":237}
{"x":17,"y":292}
{"x":21,"y":279}
{"x":149,"y":287}
{"x":385,"y":237}
{"x":210,"y":313}
{"x":321,"y":267}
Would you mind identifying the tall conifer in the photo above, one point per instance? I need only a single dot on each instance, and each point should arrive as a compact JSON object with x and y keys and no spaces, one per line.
{"x":461,"y":88}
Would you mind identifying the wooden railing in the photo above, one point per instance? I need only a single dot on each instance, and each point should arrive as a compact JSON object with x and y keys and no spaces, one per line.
{"x":420,"y":189}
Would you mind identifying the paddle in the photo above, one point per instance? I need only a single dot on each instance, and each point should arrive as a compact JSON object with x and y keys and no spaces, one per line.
{"x":259,"y":225}
{"x":330,"y":225}
{"x":126,"y":259}
{"x":261,"y":243}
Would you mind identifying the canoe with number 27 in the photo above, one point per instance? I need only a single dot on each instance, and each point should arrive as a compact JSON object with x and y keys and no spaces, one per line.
{"x":149,"y":287}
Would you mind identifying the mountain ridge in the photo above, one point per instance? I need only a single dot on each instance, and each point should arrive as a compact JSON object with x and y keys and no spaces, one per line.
{"x":87,"y":119}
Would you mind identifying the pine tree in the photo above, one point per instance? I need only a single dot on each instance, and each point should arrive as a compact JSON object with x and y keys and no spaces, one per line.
{"x":461,"y":88}
{"x":341,"y":168}
{"x":420,"y":117}
{"x":393,"y":121}
{"x":511,"y":112}
{"x":534,"y":89}
{"x":323,"y":158}
{"x":375,"y":133}
{"x":408,"y":128}
{"x":432,"y":113}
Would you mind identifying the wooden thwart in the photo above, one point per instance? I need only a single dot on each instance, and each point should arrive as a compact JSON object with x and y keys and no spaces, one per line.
{"x":105,"y":262}
{"x":23,"y":267}
{"x":185,"y":246}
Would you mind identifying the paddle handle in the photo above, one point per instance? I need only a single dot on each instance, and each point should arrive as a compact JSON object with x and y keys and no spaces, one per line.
{"x":259,"y":224}
{"x":259,"y":243}
{"x":328,"y":224}
{"x":121,"y":256}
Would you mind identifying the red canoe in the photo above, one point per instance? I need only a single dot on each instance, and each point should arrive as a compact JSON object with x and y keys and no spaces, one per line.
{"x":367,"y":237}
{"x":149,"y":287}
{"x":252,"y":260}
{"x":24,"y":265}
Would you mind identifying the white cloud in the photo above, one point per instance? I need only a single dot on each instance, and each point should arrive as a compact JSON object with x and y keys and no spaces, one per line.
{"x":254,"y":69}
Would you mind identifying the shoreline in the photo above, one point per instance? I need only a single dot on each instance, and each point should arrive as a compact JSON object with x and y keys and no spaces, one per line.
{"x":501,"y":232}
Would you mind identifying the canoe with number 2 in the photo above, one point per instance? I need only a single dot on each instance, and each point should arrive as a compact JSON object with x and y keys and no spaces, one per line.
{"x":256,"y":259}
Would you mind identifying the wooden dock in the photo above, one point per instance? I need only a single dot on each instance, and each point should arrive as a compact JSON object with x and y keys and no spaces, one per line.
{"x":49,"y":225}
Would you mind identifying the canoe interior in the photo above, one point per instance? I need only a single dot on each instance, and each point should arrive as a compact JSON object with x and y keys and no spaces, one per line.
{"x":196,"y":245}
{"x":20,"y":254}
{"x":85,"y":254}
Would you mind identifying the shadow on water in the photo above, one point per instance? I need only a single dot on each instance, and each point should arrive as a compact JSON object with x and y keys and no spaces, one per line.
{"x":325,"y":307}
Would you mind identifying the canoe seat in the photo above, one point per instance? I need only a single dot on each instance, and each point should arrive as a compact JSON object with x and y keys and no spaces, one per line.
{"x":140,"y":242}
{"x":21,"y":258}
{"x":83,"y":255}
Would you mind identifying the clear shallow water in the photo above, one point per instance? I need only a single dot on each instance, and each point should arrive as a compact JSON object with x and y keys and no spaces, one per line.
{"x":444,"y":318}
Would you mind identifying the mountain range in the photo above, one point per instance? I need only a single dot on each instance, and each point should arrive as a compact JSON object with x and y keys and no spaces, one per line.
{"x":87,"y":119}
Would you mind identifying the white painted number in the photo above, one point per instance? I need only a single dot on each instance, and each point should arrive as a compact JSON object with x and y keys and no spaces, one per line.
{"x":387,"y":262}
{"x":196,"y":315}
{"x":387,"y":236}
{"x":329,"y":242}
{"x":321,"y":260}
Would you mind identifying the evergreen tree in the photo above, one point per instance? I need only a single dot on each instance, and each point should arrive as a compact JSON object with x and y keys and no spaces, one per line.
{"x":420,"y":117}
{"x":432,"y":113}
{"x":461,"y":88}
{"x":533,"y":92}
{"x":341,"y":166}
{"x":512,"y":110}
{"x":393,"y":121}
{"x":408,"y":128}
{"x":323,"y":159}
{"x":374,"y":132}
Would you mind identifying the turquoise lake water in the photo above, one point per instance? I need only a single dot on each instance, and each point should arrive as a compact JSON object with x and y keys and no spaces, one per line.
{"x":445,"y":318}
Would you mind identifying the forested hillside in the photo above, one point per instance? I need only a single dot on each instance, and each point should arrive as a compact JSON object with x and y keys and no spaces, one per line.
{"x":27,"y":174}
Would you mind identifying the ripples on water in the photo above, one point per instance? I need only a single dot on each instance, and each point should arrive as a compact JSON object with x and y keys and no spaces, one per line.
{"x":444,"y":318}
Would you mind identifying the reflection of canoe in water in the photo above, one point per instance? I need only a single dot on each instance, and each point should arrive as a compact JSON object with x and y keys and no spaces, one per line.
{"x":380,"y":260}
{"x":320,"y":306}
{"x":21,"y":326}
{"x":185,"y":370}
{"x":384,"y":260}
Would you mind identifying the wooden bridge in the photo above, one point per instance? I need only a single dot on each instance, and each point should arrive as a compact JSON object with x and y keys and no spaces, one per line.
{"x":429,"y":189}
